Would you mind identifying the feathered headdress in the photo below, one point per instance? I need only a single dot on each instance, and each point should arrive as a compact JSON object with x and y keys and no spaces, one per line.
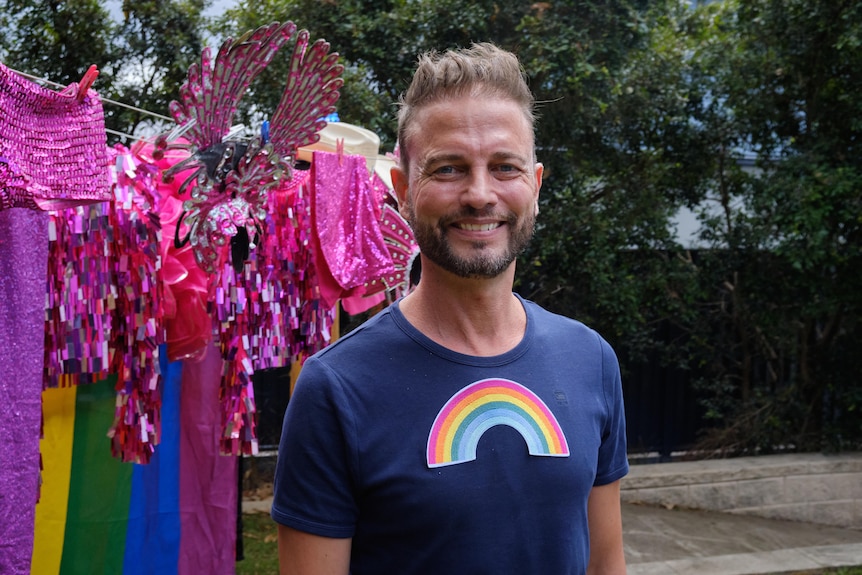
{"x":227,"y":189}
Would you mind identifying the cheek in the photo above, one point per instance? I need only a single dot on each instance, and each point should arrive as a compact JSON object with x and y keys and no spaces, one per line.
{"x":406,"y":214}
{"x":421,"y":202}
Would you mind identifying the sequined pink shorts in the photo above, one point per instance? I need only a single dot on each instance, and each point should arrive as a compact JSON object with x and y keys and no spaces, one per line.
{"x":53,"y":146}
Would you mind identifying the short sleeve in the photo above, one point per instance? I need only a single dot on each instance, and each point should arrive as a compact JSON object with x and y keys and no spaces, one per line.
{"x":613,"y":461}
{"x":315,"y":471}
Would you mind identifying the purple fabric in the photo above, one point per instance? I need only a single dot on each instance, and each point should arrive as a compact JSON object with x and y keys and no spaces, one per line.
{"x":208,"y":480}
{"x":23,"y":264}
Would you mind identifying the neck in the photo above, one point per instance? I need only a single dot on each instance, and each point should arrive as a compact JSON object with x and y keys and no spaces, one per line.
{"x":480,"y":317}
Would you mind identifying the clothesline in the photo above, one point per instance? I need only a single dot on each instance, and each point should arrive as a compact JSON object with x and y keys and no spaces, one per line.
{"x":105,"y":100}
{"x":133,"y":108}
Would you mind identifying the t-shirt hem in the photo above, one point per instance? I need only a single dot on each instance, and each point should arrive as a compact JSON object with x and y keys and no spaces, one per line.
{"x":612,"y":476}
{"x":312,"y":527}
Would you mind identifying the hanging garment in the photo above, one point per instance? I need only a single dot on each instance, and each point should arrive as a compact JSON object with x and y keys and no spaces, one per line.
{"x":103,"y":304}
{"x":23,"y":258}
{"x":53,"y":145}
{"x":188,"y":322}
{"x":348,"y":244}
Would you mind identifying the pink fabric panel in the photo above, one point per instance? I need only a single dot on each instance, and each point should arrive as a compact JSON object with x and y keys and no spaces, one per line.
{"x":208,"y":480}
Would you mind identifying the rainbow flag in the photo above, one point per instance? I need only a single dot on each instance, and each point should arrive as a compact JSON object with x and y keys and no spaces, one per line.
{"x":175,"y":515}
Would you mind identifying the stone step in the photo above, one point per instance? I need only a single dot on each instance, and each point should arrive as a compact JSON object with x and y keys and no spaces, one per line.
{"x":812,"y":487}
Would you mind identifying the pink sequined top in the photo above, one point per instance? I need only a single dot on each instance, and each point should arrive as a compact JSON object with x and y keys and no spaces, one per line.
{"x":53,"y":146}
{"x":349,"y":247}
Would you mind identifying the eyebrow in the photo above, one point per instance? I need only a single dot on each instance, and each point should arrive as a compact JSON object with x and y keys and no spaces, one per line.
{"x":436,"y":159}
{"x":495,"y":157}
{"x":501,"y":156}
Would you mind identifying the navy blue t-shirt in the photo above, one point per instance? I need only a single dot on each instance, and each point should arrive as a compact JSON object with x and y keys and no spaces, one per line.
{"x":439,"y":462}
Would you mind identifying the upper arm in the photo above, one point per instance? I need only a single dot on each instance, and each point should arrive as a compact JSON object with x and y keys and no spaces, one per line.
{"x":301,"y":553}
{"x":606,"y":531}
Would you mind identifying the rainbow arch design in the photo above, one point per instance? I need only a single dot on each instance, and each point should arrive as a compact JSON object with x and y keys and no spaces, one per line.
{"x":484,"y":404}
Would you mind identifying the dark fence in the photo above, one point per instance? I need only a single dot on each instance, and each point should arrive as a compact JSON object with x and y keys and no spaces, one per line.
{"x":271,"y":394}
{"x":662,"y":412}
{"x":663,"y":415}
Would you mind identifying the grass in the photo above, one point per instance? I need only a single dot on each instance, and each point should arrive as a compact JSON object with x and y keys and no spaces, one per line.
{"x":260,"y":547}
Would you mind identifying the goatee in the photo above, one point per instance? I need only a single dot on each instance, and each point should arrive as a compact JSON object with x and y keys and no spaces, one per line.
{"x":482,"y":263}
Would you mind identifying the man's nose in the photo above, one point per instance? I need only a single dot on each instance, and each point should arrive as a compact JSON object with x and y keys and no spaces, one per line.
{"x":480,"y":190}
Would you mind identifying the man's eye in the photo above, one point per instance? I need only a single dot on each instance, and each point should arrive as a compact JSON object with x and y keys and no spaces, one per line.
{"x":507,"y":169}
{"x":445,"y":170}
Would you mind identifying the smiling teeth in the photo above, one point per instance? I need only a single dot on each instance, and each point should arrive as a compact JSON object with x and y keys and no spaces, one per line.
{"x":478,"y":227}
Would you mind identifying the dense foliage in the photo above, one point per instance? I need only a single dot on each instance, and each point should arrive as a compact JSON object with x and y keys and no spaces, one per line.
{"x":744,"y":116}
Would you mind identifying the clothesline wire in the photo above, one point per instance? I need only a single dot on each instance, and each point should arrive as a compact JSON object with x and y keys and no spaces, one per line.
{"x":130,"y":107}
{"x":105,"y":100}
{"x":159,"y":116}
{"x":126,"y":136}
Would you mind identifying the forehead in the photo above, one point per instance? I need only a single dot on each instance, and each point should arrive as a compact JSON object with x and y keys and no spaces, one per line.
{"x":470,"y":122}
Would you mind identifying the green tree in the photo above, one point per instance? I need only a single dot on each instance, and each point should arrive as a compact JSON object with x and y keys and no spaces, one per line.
{"x":56,"y":40}
{"x":142,"y":59}
{"x":785,"y":270}
{"x":156,"y":42}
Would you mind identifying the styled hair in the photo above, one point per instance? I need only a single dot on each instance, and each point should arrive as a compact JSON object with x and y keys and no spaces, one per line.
{"x":482,"y":70}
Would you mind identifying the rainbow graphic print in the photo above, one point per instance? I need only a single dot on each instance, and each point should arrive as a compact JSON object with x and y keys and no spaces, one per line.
{"x":483,"y":405}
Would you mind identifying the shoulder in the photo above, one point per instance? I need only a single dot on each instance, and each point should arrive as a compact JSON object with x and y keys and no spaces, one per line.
{"x":548,"y":321}
{"x":553,"y":329}
{"x":359,"y":340}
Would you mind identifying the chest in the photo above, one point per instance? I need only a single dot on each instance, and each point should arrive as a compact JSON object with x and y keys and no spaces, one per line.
{"x":494,"y":447}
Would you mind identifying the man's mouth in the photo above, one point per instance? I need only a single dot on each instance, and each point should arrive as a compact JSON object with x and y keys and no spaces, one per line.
{"x":478,"y":227}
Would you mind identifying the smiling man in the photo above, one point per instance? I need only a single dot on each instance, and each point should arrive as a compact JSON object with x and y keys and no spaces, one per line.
{"x":463,"y":429}
{"x":483,"y":185}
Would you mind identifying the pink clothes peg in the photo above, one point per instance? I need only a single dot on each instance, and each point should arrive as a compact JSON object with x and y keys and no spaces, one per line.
{"x":87,"y":82}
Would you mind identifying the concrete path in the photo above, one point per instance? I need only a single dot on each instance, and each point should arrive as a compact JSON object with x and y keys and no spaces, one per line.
{"x":661,"y":541}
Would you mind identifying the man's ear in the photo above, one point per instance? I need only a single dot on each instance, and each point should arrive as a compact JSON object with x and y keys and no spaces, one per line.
{"x":540,"y":170}
{"x":400,"y":186}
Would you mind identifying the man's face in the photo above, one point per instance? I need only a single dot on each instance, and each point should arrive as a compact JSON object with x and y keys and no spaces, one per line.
{"x":471,"y":194}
